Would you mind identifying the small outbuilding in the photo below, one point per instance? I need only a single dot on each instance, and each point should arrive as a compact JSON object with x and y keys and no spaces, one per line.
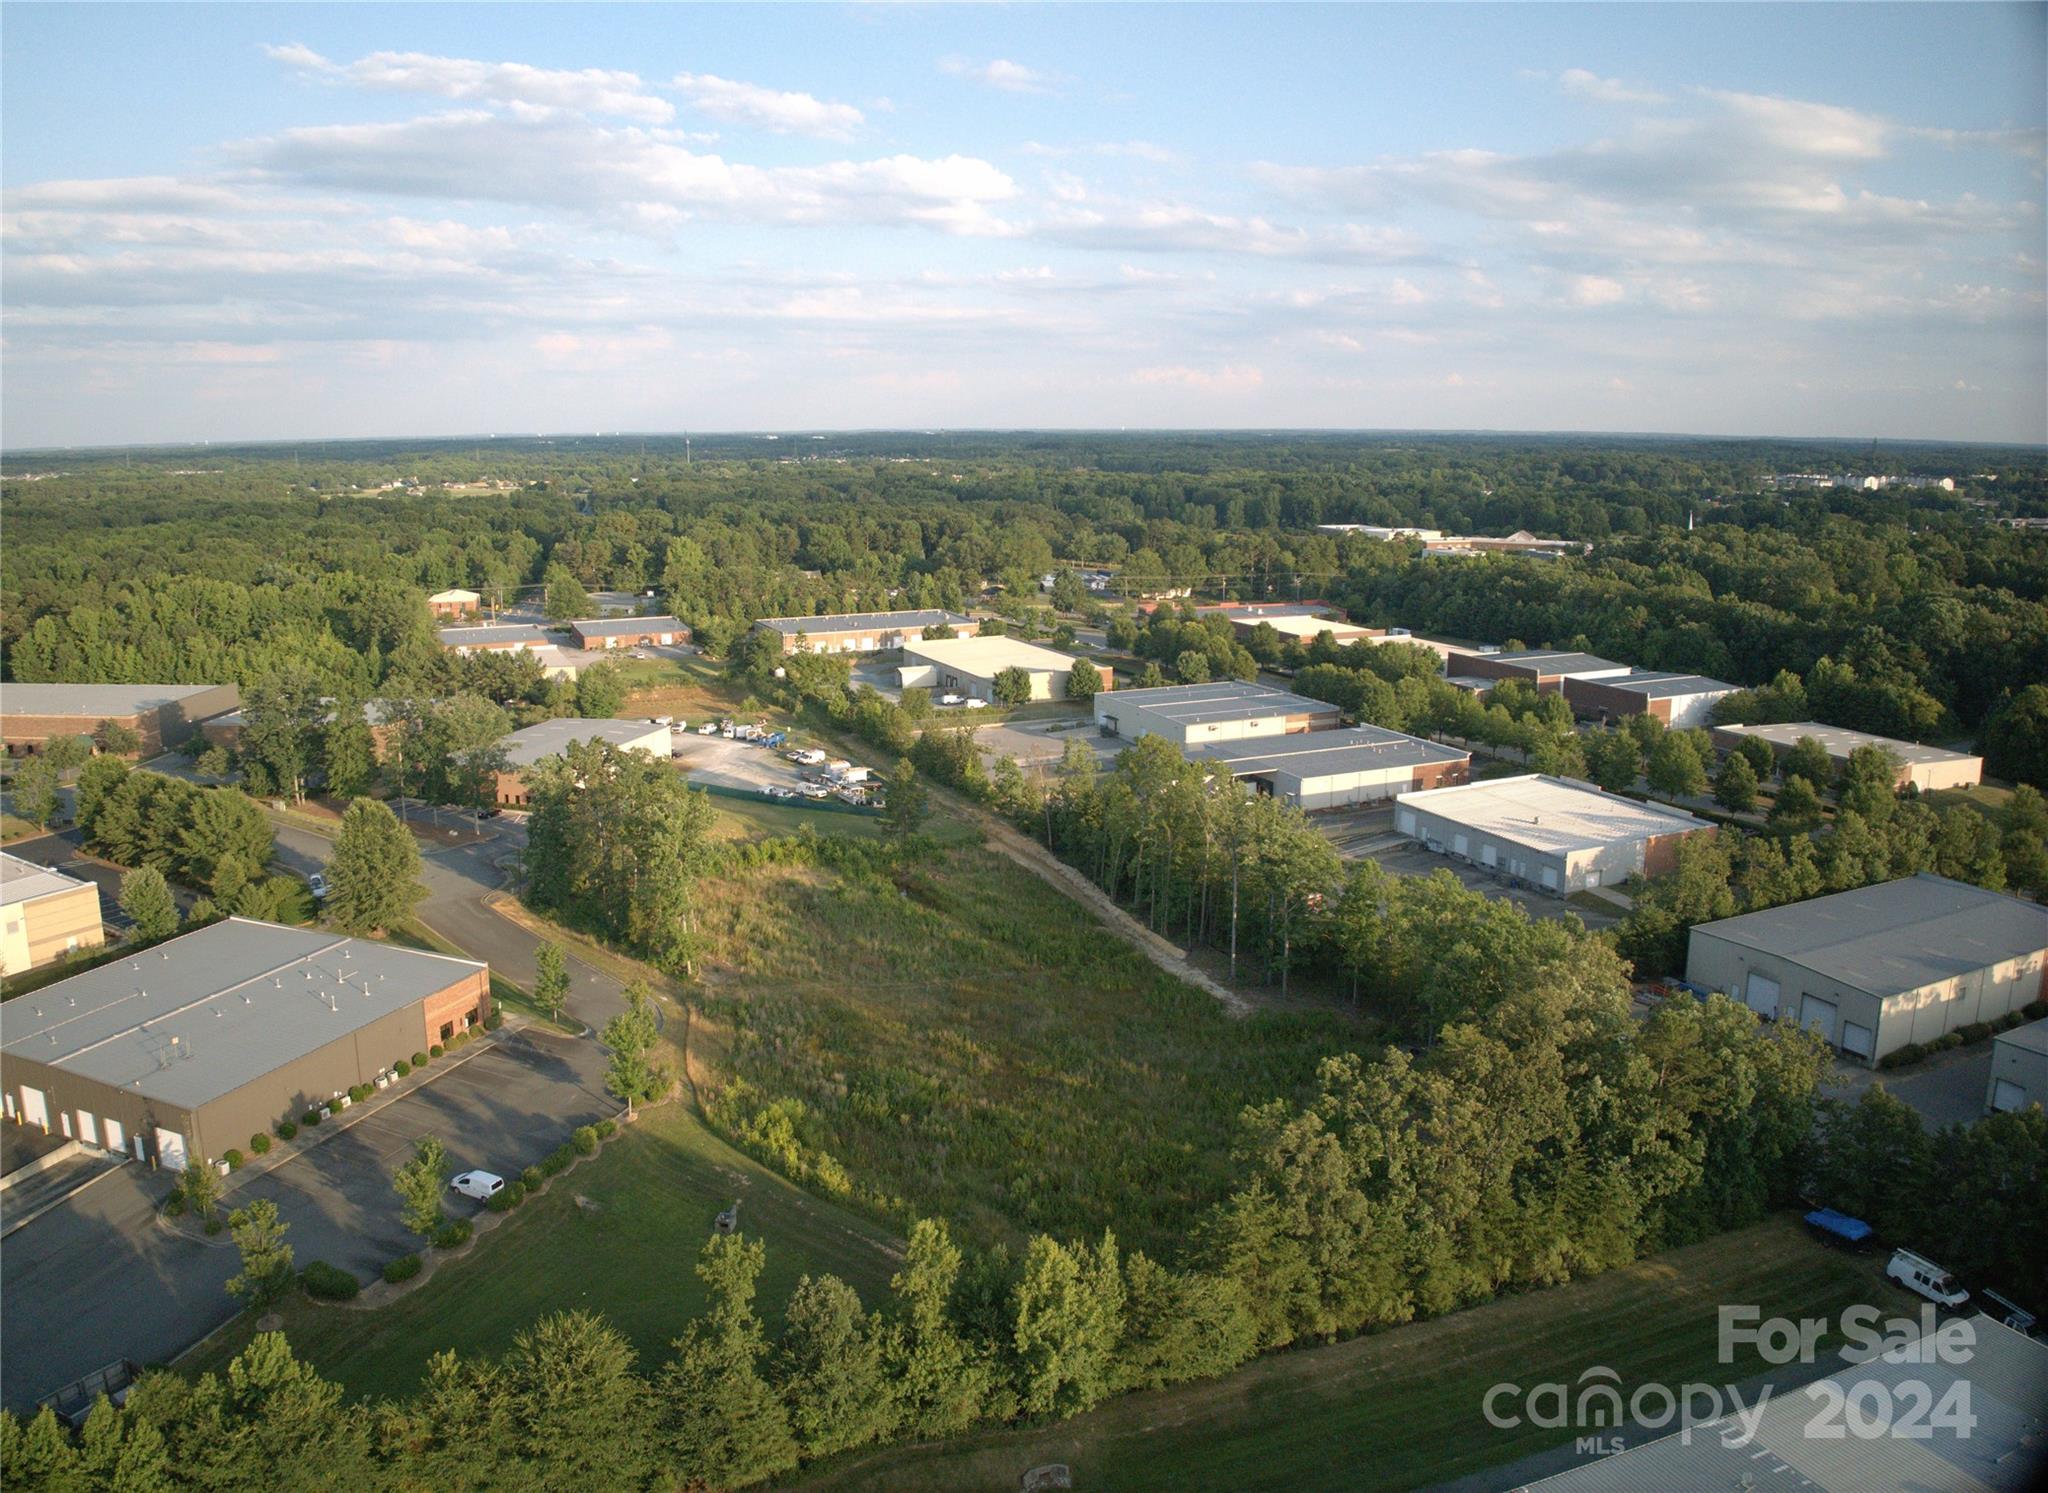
{"x":455,"y":604}
{"x":1554,"y":833}
{"x":1880,"y":966}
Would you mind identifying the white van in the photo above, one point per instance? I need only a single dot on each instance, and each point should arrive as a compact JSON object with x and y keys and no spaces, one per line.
{"x":483,"y":1186}
{"x":1923,"y":1277}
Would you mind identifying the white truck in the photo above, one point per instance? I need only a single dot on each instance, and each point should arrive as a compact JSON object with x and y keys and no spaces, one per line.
{"x":1923,"y":1277}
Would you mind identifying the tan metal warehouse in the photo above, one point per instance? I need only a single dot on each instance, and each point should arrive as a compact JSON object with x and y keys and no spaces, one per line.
{"x":1546,"y":669}
{"x":44,"y":914}
{"x":628,"y":632}
{"x":1555,"y":833}
{"x":1878,"y":967}
{"x":1926,"y":767}
{"x":1195,"y":714}
{"x":968,"y":666}
{"x":184,"y":1051}
{"x":1336,"y":769}
{"x":494,"y":637}
{"x":864,"y":632}
{"x":162,"y":715}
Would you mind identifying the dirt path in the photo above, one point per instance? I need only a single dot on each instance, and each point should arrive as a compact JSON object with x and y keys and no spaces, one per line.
{"x":1035,"y":858}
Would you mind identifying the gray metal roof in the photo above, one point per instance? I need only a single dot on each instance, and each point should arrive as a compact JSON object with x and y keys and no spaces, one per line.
{"x":527,"y":746}
{"x":1658,"y":686}
{"x":1266,"y":610}
{"x":2033,"y":1037}
{"x":199,"y":1016}
{"x":864,"y":622}
{"x":1225,"y":700}
{"x":1548,"y":661}
{"x":25,"y":881}
{"x":1895,"y":936}
{"x":506,"y":632}
{"x":1550,"y":815}
{"x":1321,"y":754}
{"x":1840,"y":741}
{"x":613,"y":627}
{"x":97,"y":702}
{"x":1998,"y":1451}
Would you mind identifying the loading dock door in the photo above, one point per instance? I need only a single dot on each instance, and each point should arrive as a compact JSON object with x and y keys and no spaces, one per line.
{"x":1761,"y":994}
{"x":1818,"y":1015}
{"x":35,"y":1110}
{"x":1407,"y":824}
{"x":1856,"y":1039}
{"x":2006,"y":1096}
{"x":88,"y":1128}
{"x":170,"y":1150}
{"x":1460,"y":845}
{"x":1488,"y":856}
{"x":117,"y":1138}
{"x":1550,"y":878}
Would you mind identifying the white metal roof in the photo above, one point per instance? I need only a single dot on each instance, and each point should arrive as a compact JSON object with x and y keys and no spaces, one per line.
{"x":1840,"y":741}
{"x":528,"y":745}
{"x":1324,"y":754}
{"x":864,"y":622}
{"x":2033,"y":1037}
{"x":613,"y":627}
{"x":1658,"y":686}
{"x":987,"y":657}
{"x":95,"y":701}
{"x":25,"y":881}
{"x":1552,"y":816}
{"x":1224,"y":700}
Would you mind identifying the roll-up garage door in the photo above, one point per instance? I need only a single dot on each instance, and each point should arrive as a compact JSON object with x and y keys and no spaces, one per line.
{"x":1488,"y":856}
{"x":1856,"y":1040}
{"x":170,"y":1150}
{"x":1407,"y":821}
{"x":35,"y":1110}
{"x":1818,"y":1015}
{"x":2006,"y":1096}
{"x":117,"y":1138}
{"x":1550,"y":878}
{"x":1460,"y":845}
{"x":1761,"y":994}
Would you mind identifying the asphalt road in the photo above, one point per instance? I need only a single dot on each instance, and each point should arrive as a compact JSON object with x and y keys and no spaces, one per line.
{"x":100,"y":1277}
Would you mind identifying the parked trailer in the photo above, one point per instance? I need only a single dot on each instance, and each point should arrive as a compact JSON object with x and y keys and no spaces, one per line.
{"x":75,"y":1400}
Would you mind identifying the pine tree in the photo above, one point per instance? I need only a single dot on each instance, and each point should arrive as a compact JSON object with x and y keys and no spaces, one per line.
{"x":551,"y":979}
{"x":146,"y":898}
{"x":1735,"y":784}
{"x":373,"y":879}
{"x":830,"y":1368}
{"x":943,"y":1382}
{"x":724,"y":1420}
{"x":908,"y":803}
{"x":419,"y":1183}
{"x":632,"y":1074}
{"x":349,"y":755}
{"x":266,"y":1258}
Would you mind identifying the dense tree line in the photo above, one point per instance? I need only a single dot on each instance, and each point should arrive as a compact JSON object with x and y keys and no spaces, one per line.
{"x":214,"y":840}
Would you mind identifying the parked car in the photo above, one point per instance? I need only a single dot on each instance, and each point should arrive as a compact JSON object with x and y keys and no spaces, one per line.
{"x":709,"y":728}
{"x":318,"y":884}
{"x":1923,"y":1277}
{"x":974,"y":704}
{"x":815,"y":790}
{"x":1831,"y":1227}
{"x":483,"y":1186}
{"x":782,"y":793}
{"x":949,"y":699}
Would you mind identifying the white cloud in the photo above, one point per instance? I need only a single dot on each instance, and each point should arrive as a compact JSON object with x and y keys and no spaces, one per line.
{"x":1594,"y":290}
{"x":1229,"y":379}
{"x":768,"y":108}
{"x":1583,"y":84}
{"x":1010,"y":77}
{"x":589,"y":90}
{"x":560,"y":162}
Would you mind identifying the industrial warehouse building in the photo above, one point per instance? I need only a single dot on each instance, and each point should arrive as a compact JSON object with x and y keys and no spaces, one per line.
{"x":162,"y":715}
{"x":628,"y":632}
{"x":1555,"y":833}
{"x":1305,"y":629}
{"x":1678,"y":700}
{"x":531,"y":744}
{"x":1193,"y":715}
{"x":1544,"y":669}
{"x":493,"y":637}
{"x":863,"y":632}
{"x":2019,"y":1069}
{"x":44,"y":915}
{"x":1336,"y":769}
{"x":1880,"y":966}
{"x":1926,"y":768}
{"x":968,"y":666}
{"x":454,"y":604}
{"x":184,"y":1051}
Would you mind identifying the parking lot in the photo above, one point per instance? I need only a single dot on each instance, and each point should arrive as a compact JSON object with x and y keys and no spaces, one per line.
{"x":100,"y":1277}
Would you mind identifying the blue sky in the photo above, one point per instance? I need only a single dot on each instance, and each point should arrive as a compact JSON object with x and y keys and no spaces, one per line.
{"x":287,"y":221}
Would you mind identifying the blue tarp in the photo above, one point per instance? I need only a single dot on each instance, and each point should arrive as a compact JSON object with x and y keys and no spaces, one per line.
{"x":1841,"y":1225}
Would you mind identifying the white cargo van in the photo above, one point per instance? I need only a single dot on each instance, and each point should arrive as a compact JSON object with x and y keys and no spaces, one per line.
{"x":1923,"y":1277}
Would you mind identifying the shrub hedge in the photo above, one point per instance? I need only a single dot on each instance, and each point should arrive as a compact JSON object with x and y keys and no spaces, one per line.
{"x":233,"y":1158}
{"x":329,"y":1282}
{"x":401,"y":1067}
{"x":454,"y":1232}
{"x":286,"y":1129}
{"x":606,"y":1129}
{"x":532,"y":1178}
{"x":310,"y":1118}
{"x":259,"y":1143}
{"x":584,"y":1139}
{"x":405,"y":1267}
{"x":419,"y":1060}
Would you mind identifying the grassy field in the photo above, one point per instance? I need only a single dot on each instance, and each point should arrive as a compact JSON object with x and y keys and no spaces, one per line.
{"x":1404,"y":1408}
{"x":1988,"y":797}
{"x":652,"y":1195}
{"x":959,"y":1039}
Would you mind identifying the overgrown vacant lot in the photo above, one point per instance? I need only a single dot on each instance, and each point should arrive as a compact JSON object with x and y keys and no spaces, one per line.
{"x":618,"y":1235}
{"x":1405,"y":1408}
{"x":952,"y":1037}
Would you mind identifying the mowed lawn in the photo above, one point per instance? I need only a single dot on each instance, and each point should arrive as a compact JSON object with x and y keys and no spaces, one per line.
{"x":617,"y":1235}
{"x":1405,"y":1408}
{"x":955,"y":1038}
